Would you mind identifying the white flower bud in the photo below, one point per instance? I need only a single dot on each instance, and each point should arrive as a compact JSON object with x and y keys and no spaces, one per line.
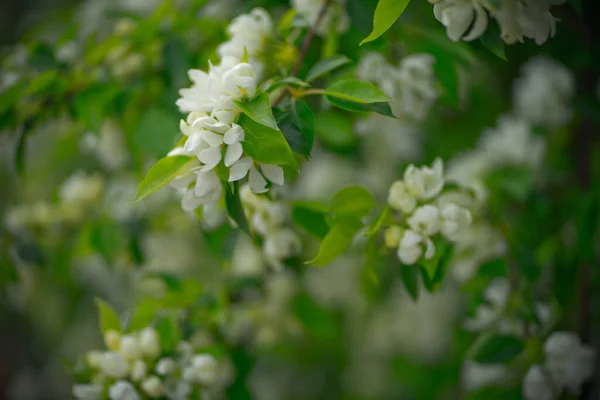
{"x":153,"y":386}
{"x":112,"y":339}
{"x":393,"y":235}
{"x":123,"y":390}
{"x":401,"y":198}
{"x":425,"y":183}
{"x":138,"y":370}
{"x":114,"y":365}
{"x":165,"y":366}
{"x":455,"y":220}
{"x":130,"y":347}
{"x":411,"y":248}
{"x":205,"y":369}
{"x":149,"y":342}
{"x":93,"y":358}
{"x":425,"y":220}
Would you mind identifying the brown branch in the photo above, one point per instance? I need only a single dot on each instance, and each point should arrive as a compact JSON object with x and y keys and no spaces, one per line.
{"x":305,"y":47}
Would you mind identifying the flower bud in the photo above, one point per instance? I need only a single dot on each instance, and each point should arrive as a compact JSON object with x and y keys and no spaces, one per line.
{"x":138,"y":370}
{"x":112,"y":339}
{"x":114,"y":365}
{"x":150,"y":342}
{"x":152,"y":386}
{"x":130,"y":347}
{"x":165,"y":366}
{"x":393,"y":235}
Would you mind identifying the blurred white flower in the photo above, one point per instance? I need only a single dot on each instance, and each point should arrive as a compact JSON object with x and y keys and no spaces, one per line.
{"x":123,"y":390}
{"x":152,"y":386}
{"x":543,"y":94}
{"x":203,"y":369}
{"x":569,"y":362}
{"x":525,"y":18}
{"x":114,"y":365}
{"x":150,"y":342}
{"x":165,"y":366}
{"x":87,"y":391}
{"x":425,"y":220}
{"x":335,"y":14}
{"x":425,"y":183}
{"x":281,"y":244}
{"x":475,"y":376}
{"x":138,"y":370}
{"x":538,"y":385}
{"x":81,"y":188}
{"x":401,"y":198}
{"x":112,"y":339}
{"x":130,"y":347}
{"x":410,"y":248}
{"x":455,"y":221}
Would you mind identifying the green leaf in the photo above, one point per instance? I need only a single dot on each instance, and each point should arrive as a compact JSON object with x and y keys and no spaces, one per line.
{"x":335,"y":129}
{"x":259,"y":110}
{"x":318,"y":321}
{"x":289,"y":81}
{"x":496,"y":349}
{"x":410,"y":278}
{"x":310,"y":216}
{"x":352,"y":201}
{"x":41,"y":83}
{"x":266,"y":145}
{"x":492,"y":40}
{"x":356,"y":91}
{"x":235,"y":210}
{"x":108,"y":238}
{"x":168,"y":332}
{"x":156,"y":131}
{"x":386,"y":13}
{"x":380,"y":221}
{"x":144,"y":313}
{"x":433,"y":270}
{"x":325,"y":66}
{"x":380,"y":108}
{"x":93,"y":104}
{"x":298,"y":126}
{"x":161,"y":173}
{"x":108,"y":318}
{"x":337,"y":241}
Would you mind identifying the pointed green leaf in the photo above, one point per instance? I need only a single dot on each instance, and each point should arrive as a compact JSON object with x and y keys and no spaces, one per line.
{"x":356,"y":91}
{"x":290,"y":80}
{"x":492,"y":40}
{"x":496,"y":349}
{"x":235,"y":209}
{"x":337,"y":241}
{"x":380,"y":221}
{"x":266,"y":145}
{"x":259,"y":110}
{"x":386,"y":13}
{"x":352,"y":201}
{"x":325,"y":66}
{"x":410,"y":278}
{"x":108,"y":318}
{"x":161,"y":173}
{"x":310,"y":216}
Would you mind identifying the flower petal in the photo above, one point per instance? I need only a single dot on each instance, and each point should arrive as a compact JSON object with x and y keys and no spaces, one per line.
{"x":257,"y":182}
{"x":240,"y":169}
{"x":234,"y":135}
{"x":210,"y":157}
{"x":273,"y":173}
{"x":233,"y":154}
{"x":212,"y":138}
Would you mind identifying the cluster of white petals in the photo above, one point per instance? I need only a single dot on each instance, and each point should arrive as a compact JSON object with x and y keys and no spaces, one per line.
{"x":335,"y":16}
{"x":133,"y":368}
{"x":544,"y":92}
{"x":269,"y":218}
{"x":493,"y":314}
{"x":212,"y":135}
{"x":416,"y":198}
{"x":568,"y":365}
{"x":518,"y":19}
{"x":411,"y":85}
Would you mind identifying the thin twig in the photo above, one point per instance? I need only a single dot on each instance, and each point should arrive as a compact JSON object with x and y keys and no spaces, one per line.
{"x":305,"y":46}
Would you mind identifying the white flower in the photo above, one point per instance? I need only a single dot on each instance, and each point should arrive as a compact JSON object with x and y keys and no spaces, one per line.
{"x":281,"y":244}
{"x":138,"y":370}
{"x":207,"y":190}
{"x":93,"y":358}
{"x":123,"y":390}
{"x":130,"y":347}
{"x":476,"y":376}
{"x":393,"y":235}
{"x":310,"y":10}
{"x":87,"y":392}
{"x":425,"y":220}
{"x":165,"y":366}
{"x":569,"y":362}
{"x":529,"y":18}
{"x":454,"y":221}
{"x":372,"y":66}
{"x":410,"y":248}
{"x":537,"y":385}
{"x":81,"y":188}
{"x":203,"y":369}
{"x":415,"y":90}
{"x":543,"y":93}
{"x":464,"y":19}
{"x":497,"y":295}
{"x":425,"y":183}
{"x":152,"y":386}
{"x":114,"y":365}
{"x":258,"y":183}
{"x":112,"y":340}
{"x":150,"y":342}
{"x":401,"y":198}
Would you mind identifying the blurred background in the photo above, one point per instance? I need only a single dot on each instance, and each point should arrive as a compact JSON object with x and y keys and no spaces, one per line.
{"x":87,"y":105}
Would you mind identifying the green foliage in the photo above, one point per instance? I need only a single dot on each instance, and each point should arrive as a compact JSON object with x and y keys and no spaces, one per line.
{"x":156,"y":132}
{"x":356,"y":91}
{"x":311,"y":216}
{"x":259,"y":110}
{"x":107,"y":317}
{"x":235,"y":209}
{"x":325,"y":66}
{"x":162,"y":173}
{"x":265,"y":144}
{"x":337,"y":241}
{"x":352,"y":201}
{"x":297,"y":122}
{"x":386,"y":13}
{"x":496,"y":348}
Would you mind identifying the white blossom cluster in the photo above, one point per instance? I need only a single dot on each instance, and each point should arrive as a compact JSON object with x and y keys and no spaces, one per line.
{"x":518,"y":19}
{"x":411,"y":85}
{"x":134,"y":367}
{"x":108,"y":145}
{"x":335,"y":16}
{"x":495,"y":314}
{"x":424,"y":213}
{"x":212,"y":135}
{"x":268,"y":218}
{"x":567,"y":366}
